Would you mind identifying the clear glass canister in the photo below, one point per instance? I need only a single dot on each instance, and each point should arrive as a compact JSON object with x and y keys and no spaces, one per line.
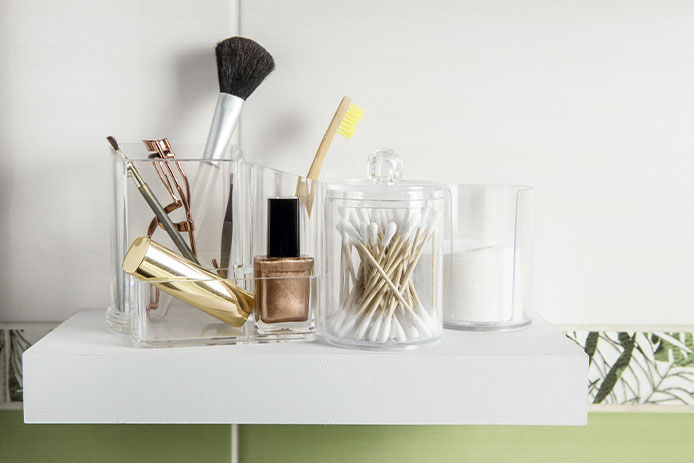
{"x":384,"y":259}
{"x":491,"y":263}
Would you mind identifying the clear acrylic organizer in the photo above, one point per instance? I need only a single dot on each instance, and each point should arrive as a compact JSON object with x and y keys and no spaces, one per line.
{"x":491,"y":262}
{"x":183,"y":324}
{"x":132,"y":217}
{"x":228,"y":234}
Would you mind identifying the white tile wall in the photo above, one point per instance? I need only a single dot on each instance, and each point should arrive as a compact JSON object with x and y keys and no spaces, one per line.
{"x":73,"y":72}
{"x":589,"y":101}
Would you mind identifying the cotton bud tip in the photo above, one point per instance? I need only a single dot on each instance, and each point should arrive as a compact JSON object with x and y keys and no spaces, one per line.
{"x":364,"y":215}
{"x":391,"y":228}
{"x":354,"y":218}
{"x":373,"y":233}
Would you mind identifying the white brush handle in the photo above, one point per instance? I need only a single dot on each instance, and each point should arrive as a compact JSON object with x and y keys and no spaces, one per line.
{"x":226,"y":116}
{"x":205,"y":181}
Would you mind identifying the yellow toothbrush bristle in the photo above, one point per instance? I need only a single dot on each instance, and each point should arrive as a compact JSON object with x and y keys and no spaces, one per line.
{"x":349,"y":123}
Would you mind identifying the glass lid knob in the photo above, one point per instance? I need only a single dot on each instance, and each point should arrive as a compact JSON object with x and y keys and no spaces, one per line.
{"x":384,"y":166}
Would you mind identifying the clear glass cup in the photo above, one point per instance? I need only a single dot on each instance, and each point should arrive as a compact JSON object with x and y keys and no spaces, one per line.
{"x":491,"y":260}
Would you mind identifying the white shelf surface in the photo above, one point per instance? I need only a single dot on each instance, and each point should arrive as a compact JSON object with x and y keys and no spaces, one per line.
{"x":82,"y":373}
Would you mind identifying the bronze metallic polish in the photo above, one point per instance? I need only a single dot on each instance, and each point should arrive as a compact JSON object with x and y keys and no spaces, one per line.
{"x":282,"y":293}
{"x":283,"y":283}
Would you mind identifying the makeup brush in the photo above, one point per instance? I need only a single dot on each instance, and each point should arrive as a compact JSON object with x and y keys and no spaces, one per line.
{"x":154,"y":204}
{"x":242,"y":65}
{"x":343,"y":122}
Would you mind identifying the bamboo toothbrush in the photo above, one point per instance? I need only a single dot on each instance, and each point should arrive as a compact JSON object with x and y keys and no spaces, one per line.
{"x":343,"y":122}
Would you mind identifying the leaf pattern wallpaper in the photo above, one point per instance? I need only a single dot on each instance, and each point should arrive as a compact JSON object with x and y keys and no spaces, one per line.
{"x":638,"y":368}
{"x":18,"y":344}
{"x":13,"y":342}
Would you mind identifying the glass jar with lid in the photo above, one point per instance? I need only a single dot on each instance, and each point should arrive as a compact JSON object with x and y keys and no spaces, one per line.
{"x":384,"y":259}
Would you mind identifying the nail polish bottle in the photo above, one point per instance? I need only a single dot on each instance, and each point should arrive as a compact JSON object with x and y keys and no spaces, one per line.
{"x":283,"y":285}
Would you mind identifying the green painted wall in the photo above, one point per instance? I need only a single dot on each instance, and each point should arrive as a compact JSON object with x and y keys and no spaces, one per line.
{"x":609,"y":437}
{"x":78,"y":443}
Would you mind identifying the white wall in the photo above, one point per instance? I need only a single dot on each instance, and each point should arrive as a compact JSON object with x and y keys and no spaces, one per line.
{"x":72,"y":72}
{"x":589,"y":101}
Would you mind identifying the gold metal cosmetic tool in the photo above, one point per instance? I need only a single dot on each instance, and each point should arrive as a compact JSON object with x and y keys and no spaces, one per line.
{"x":187,"y":281}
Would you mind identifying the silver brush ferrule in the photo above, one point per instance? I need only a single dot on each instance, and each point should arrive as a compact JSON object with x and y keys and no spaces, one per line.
{"x":226,"y":116}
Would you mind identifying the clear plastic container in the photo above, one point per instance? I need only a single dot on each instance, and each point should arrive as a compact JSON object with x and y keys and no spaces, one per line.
{"x":384,"y":259}
{"x":184,"y":324}
{"x":132,"y":217}
{"x":228,"y":239}
{"x":263,"y":186}
{"x":491,"y":263}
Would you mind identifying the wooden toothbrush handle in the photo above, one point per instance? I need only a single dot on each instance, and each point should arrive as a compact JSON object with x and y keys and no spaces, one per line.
{"x":328,"y":138}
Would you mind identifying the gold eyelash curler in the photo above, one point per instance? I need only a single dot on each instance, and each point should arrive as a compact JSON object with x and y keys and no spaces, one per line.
{"x":180,"y":195}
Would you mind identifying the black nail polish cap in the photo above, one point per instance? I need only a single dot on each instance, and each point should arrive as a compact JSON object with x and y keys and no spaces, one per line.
{"x":283,"y":227}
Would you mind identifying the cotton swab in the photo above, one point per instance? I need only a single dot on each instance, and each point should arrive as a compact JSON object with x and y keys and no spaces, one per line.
{"x":383,"y":304}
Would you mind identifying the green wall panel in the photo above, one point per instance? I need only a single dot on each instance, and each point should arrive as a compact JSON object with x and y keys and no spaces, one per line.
{"x":77,"y":443}
{"x":609,"y":438}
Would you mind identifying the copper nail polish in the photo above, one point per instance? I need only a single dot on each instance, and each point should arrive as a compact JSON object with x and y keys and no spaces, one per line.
{"x":282,"y":297}
{"x":283,"y":288}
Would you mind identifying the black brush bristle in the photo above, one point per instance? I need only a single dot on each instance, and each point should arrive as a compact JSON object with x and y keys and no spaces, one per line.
{"x":113,"y":142}
{"x":242,"y":65}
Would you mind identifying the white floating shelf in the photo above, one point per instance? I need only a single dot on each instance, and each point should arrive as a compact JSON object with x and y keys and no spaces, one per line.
{"x":82,"y":373}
